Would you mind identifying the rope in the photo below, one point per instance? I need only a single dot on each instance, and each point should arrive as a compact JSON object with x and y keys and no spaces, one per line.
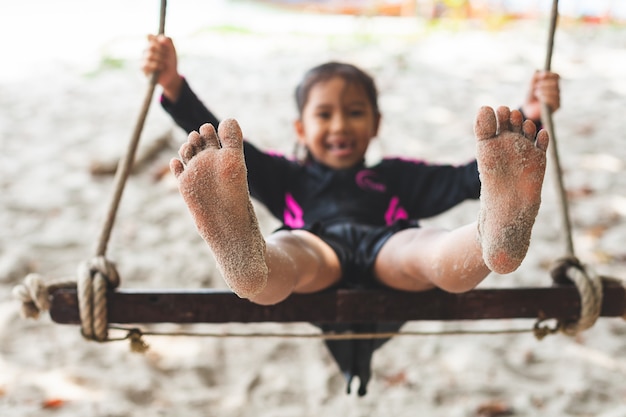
{"x":589,"y":284}
{"x":137,"y":344}
{"x":34,"y":294}
{"x":97,"y":276}
{"x":546,"y":120}
{"x":125,"y":165}
{"x":590,"y":288}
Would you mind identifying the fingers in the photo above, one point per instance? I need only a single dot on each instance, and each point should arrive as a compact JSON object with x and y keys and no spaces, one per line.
{"x":550,"y":97}
{"x":153,"y":56}
{"x":547,"y":89}
{"x":157,"y":53}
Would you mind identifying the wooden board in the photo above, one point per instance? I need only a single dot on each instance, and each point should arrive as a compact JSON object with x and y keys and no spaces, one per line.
{"x":340,"y":306}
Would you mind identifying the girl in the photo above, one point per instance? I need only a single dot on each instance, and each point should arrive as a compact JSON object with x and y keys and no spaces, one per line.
{"x":346,"y":223}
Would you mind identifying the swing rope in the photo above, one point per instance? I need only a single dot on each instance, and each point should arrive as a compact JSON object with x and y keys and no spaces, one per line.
{"x":125,"y":166}
{"x":546,"y":120}
{"x":136,"y":333}
{"x":588,"y":283}
{"x":98,"y":275}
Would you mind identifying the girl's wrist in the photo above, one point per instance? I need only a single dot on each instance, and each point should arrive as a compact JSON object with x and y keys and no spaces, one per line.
{"x":172,"y":89}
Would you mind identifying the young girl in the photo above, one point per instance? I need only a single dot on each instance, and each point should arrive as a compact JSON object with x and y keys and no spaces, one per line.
{"x":346,"y":223}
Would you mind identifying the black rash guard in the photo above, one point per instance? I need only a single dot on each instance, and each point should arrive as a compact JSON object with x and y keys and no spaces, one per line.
{"x":302,"y":195}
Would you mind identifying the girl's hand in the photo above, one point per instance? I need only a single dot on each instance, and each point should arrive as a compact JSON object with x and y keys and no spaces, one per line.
{"x":544,"y":88}
{"x":160,"y":55}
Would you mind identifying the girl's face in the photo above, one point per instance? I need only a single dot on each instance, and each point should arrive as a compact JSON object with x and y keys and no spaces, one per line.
{"x":337,"y":123}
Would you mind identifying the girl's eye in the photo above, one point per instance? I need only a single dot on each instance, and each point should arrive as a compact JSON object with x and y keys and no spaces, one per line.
{"x":357,"y":113}
{"x":323,"y":115}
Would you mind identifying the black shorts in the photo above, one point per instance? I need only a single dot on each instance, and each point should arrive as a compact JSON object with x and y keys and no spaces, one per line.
{"x":357,"y":246}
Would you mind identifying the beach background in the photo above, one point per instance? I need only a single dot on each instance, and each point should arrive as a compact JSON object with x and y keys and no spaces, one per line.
{"x":70,"y":93}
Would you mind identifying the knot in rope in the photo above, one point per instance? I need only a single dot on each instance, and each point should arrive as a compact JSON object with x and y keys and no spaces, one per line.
{"x":571,"y":270}
{"x":95,"y":278}
{"x":137,"y":344}
{"x":34,"y":294}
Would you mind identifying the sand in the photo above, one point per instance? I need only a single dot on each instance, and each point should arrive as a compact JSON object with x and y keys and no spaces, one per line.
{"x":70,"y":92}
{"x":212,"y":179}
{"x":511,"y":163}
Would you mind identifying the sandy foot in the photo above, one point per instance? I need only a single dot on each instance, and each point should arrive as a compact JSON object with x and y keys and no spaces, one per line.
{"x":512,"y":166}
{"x":212,"y":179}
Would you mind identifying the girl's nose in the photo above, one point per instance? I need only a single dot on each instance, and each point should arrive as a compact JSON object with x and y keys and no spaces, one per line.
{"x":338,"y":122}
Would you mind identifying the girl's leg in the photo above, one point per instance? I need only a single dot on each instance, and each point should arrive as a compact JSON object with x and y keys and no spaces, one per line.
{"x":297,"y":262}
{"x":212,"y":179}
{"x":421,"y":259}
{"x":512,"y":166}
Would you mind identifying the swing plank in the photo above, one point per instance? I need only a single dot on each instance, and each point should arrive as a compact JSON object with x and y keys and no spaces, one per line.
{"x":341,"y":306}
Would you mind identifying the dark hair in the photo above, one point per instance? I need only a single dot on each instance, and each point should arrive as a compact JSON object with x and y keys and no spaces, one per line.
{"x":350,"y":73}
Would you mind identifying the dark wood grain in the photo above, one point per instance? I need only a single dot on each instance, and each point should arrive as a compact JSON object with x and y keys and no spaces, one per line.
{"x":340,"y":306}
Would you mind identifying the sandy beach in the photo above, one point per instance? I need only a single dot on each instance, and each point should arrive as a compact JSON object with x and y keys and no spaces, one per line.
{"x":70,"y":92}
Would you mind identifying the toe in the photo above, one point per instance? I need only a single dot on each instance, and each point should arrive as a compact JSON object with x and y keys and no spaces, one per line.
{"x":209,"y":136}
{"x":516,"y":119}
{"x":485,"y":126}
{"x":504,"y":119}
{"x":176,"y":166}
{"x":186,"y":152}
{"x":230,"y":134}
{"x":543,"y":138}
{"x":197,"y":143}
{"x":529,"y":130}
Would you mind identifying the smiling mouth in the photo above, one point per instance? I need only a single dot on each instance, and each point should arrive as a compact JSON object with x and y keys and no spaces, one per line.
{"x":340,"y":147}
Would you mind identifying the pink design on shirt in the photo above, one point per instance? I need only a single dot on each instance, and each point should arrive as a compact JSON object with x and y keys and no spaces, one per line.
{"x":366,"y":179}
{"x":395,"y":212}
{"x":293,"y":212}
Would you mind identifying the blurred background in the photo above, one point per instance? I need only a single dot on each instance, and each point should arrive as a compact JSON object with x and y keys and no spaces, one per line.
{"x":70,"y":92}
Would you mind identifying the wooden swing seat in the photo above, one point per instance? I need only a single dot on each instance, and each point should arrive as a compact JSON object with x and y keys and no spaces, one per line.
{"x":341,"y":306}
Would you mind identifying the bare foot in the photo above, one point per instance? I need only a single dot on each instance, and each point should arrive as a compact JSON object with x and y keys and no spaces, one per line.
{"x":212,"y":179}
{"x":512,"y":166}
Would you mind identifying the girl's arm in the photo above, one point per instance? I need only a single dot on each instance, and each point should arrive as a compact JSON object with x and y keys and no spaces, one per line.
{"x":177,"y":99}
{"x":188,"y":111}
